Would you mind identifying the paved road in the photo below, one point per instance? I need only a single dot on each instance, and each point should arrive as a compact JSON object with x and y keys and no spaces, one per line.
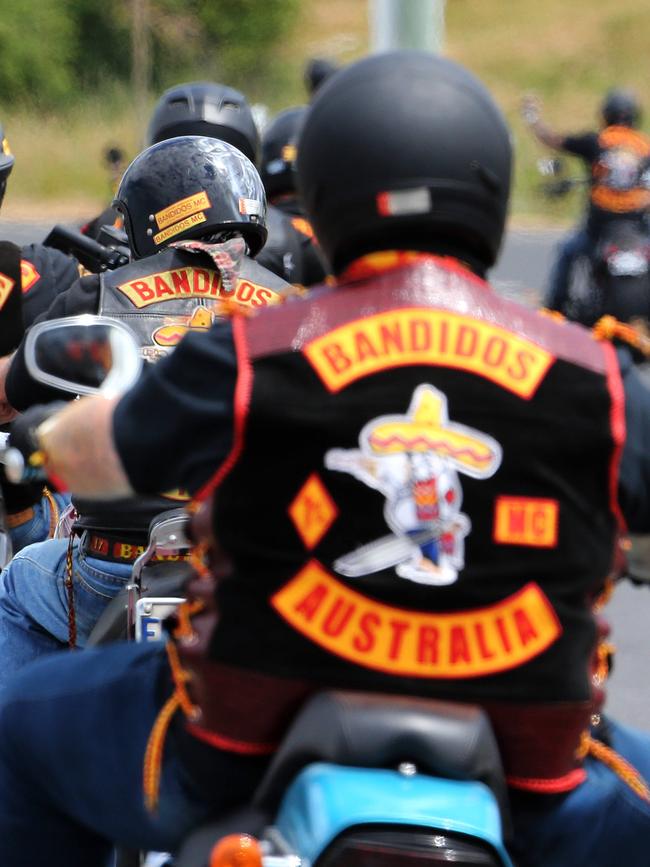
{"x":525,"y":262}
{"x":522,"y":273}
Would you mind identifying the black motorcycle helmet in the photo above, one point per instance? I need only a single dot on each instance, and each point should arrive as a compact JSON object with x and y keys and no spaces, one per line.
{"x":279,"y":150}
{"x":405,"y":150}
{"x":621,"y":108}
{"x":208,"y":109}
{"x":317,"y":71}
{"x":191,"y":187}
{"x":6,"y":162}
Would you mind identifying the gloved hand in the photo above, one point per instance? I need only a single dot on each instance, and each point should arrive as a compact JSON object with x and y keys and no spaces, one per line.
{"x":25,"y":462}
{"x":530,"y":109}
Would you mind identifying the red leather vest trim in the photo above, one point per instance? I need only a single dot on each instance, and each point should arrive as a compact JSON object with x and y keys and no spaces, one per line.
{"x":549,"y":787}
{"x":617,"y":418}
{"x":243,"y":390}
{"x":248,"y":713}
{"x":229,"y":744}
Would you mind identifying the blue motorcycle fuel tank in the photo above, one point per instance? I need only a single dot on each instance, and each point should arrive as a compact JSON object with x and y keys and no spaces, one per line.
{"x":325,"y":800}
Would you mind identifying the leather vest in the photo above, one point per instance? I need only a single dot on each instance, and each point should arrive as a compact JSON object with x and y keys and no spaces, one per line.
{"x":422,"y":499}
{"x":160,"y":298}
{"x":620,"y":177}
{"x":163,"y":296}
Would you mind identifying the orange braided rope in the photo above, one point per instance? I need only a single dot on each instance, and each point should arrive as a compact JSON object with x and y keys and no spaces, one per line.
{"x":609,"y":328}
{"x":552,"y":314}
{"x":184,"y":613}
{"x":69,"y":588}
{"x":604,"y":652}
{"x":54,"y":512}
{"x":153,"y":756}
{"x":620,"y":766}
{"x":199,"y":559}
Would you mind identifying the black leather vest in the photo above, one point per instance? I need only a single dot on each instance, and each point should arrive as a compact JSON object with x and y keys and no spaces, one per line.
{"x":163,"y":296}
{"x":423,"y":499}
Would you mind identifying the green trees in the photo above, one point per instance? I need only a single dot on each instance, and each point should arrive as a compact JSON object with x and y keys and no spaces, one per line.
{"x":51,"y":50}
{"x":37,"y":46}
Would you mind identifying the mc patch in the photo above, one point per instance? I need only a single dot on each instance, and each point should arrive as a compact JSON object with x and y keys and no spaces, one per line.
{"x":28,"y":275}
{"x":182,"y":209}
{"x":6,"y":285}
{"x":312,"y":511}
{"x":530,"y":521}
{"x":173,"y":332}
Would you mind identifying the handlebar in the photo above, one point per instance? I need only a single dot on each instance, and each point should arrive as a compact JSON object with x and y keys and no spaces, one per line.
{"x":20,"y":450}
{"x":94,"y":256}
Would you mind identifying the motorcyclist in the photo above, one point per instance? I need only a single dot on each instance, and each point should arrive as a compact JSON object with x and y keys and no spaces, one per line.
{"x":379,"y":407}
{"x":215,"y":110}
{"x":618,"y":159}
{"x":218,"y":111}
{"x":42,"y":272}
{"x":317,"y":71}
{"x":206,"y":196}
{"x":195,"y":108}
{"x":293,"y":251}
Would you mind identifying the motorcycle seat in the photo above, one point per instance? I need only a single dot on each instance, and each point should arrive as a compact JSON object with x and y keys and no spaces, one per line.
{"x":441,"y":739}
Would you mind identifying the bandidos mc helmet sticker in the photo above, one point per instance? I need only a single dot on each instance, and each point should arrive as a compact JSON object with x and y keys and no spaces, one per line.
{"x":414,"y":460}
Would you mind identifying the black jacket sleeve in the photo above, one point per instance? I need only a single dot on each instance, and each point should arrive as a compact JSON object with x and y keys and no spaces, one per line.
{"x":585,"y":146}
{"x":634,"y":477}
{"x":47,"y":272}
{"x":23,"y":391}
{"x":174,"y":428}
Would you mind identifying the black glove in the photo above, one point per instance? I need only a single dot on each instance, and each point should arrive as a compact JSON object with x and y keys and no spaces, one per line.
{"x":23,"y":440}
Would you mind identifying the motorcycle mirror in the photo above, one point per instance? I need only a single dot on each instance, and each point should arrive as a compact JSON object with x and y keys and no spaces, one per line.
{"x":83,"y":355}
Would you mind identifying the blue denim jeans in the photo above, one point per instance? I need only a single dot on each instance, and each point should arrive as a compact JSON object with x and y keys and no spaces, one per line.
{"x":37,"y":529}
{"x":73,"y":730}
{"x":34,"y":602}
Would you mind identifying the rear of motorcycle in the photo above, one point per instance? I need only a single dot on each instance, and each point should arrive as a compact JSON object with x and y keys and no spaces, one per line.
{"x":621,"y":269}
{"x":363,"y":780}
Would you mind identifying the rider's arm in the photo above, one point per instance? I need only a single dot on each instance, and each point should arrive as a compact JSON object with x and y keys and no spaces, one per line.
{"x":585,"y":146}
{"x":172,"y":430}
{"x":20,"y":389}
{"x":547,"y":136}
{"x":175,"y":427}
{"x":531,"y":113}
{"x":46,"y":273}
{"x":634,"y":479}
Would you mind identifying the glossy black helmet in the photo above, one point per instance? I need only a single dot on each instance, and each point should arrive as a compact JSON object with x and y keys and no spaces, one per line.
{"x":6,"y":162}
{"x":191,"y":187}
{"x":317,"y":71}
{"x":405,"y":150}
{"x":279,"y":150}
{"x":209,"y":109}
{"x":621,"y":108}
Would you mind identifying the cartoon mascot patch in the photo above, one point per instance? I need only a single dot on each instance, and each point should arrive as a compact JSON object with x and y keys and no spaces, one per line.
{"x":414,"y":460}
